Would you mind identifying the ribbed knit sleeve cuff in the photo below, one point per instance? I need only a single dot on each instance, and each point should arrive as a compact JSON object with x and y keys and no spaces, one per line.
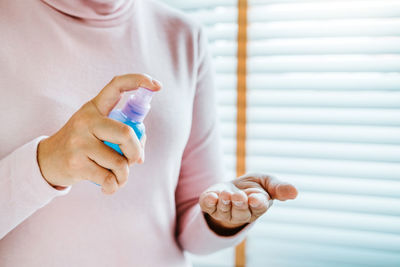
{"x":27,"y":171}
{"x":198,"y":238}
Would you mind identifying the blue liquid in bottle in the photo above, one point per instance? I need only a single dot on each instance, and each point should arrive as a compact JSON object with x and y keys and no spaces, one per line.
{"x":133,"y":114}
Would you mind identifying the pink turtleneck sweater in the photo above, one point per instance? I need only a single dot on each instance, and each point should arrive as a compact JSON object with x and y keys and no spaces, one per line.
{"x":56,"y":55}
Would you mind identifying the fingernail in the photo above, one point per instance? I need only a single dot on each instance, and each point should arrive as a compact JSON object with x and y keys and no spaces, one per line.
{"x":157,"y":83}
{"x":141,"y":159}
{"x":225,"y":201}
{"x":209,"y":204}
{"x":238,"y":203}
{"x":254,"y":205}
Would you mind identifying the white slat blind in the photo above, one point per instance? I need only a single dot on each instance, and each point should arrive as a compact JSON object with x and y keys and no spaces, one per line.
{"x":323,"y":113}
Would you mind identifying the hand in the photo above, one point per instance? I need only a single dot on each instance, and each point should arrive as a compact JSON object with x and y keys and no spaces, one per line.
{"x":76,"y":152}
{"x":230,"y":206}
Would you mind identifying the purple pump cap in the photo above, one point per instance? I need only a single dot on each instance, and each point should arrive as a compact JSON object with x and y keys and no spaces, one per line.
{"x":138,"y":105}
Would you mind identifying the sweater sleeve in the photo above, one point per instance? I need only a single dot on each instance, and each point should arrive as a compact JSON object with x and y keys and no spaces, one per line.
{"x":23,"y":190}
{"x":201,"y":166}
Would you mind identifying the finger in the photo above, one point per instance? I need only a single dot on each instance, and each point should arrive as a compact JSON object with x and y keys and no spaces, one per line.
{"x":208,"y":202}
{"x":121,"y":134}
{"x":224,"y":206}
{"x":285,"y":191}
{"x":143,"y":142}
{"x":275,"y":188}
{"x":259,"y":204}
{"x":240,"y":209}
{"x":101,"y":176}
{"x":109,"y":96}
{"x":110,"y":159}
{"x":278,"y":189}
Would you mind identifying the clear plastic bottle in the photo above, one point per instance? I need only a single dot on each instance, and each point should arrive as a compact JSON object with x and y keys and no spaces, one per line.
{"x":133,"y":113}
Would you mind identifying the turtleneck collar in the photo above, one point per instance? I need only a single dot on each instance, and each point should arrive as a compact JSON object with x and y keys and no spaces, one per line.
{"x":94,"y":11}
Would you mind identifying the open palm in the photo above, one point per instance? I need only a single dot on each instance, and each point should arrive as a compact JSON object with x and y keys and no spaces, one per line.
{"x":243,"y":200}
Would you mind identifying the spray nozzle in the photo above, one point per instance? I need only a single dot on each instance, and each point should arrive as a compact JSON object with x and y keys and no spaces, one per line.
{"x":142,"y":97}
{"x":138,"y":104}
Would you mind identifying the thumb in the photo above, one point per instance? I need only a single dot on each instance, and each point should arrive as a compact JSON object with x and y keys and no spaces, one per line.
{"x":109,"y":96}
{"x":274,"y":187}
{"x":278,"y":189}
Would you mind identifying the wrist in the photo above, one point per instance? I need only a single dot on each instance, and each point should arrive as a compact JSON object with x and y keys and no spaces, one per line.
{"x":41,"y":151}
{"x":223,"y":228}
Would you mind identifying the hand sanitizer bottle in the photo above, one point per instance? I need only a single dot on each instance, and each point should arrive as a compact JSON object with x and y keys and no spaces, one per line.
{"x":133,"y":113}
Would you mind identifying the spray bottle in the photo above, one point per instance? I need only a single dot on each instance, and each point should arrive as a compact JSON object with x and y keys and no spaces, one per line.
{"x":133,"y":113}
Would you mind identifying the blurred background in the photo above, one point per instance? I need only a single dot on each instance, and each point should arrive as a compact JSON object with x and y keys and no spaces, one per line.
{"x":323,"y":112}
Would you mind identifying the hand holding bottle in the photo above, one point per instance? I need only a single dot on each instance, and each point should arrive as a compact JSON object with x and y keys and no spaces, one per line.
{"x":77,"y":152}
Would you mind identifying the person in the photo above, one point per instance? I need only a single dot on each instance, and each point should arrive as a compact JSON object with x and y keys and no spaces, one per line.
{"x":65,"y":64}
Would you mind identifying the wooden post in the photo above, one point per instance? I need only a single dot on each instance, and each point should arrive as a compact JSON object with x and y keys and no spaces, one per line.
{"x":240,"y":252}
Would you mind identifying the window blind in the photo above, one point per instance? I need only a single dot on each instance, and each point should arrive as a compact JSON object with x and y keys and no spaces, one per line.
{"x":323,"y":112}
